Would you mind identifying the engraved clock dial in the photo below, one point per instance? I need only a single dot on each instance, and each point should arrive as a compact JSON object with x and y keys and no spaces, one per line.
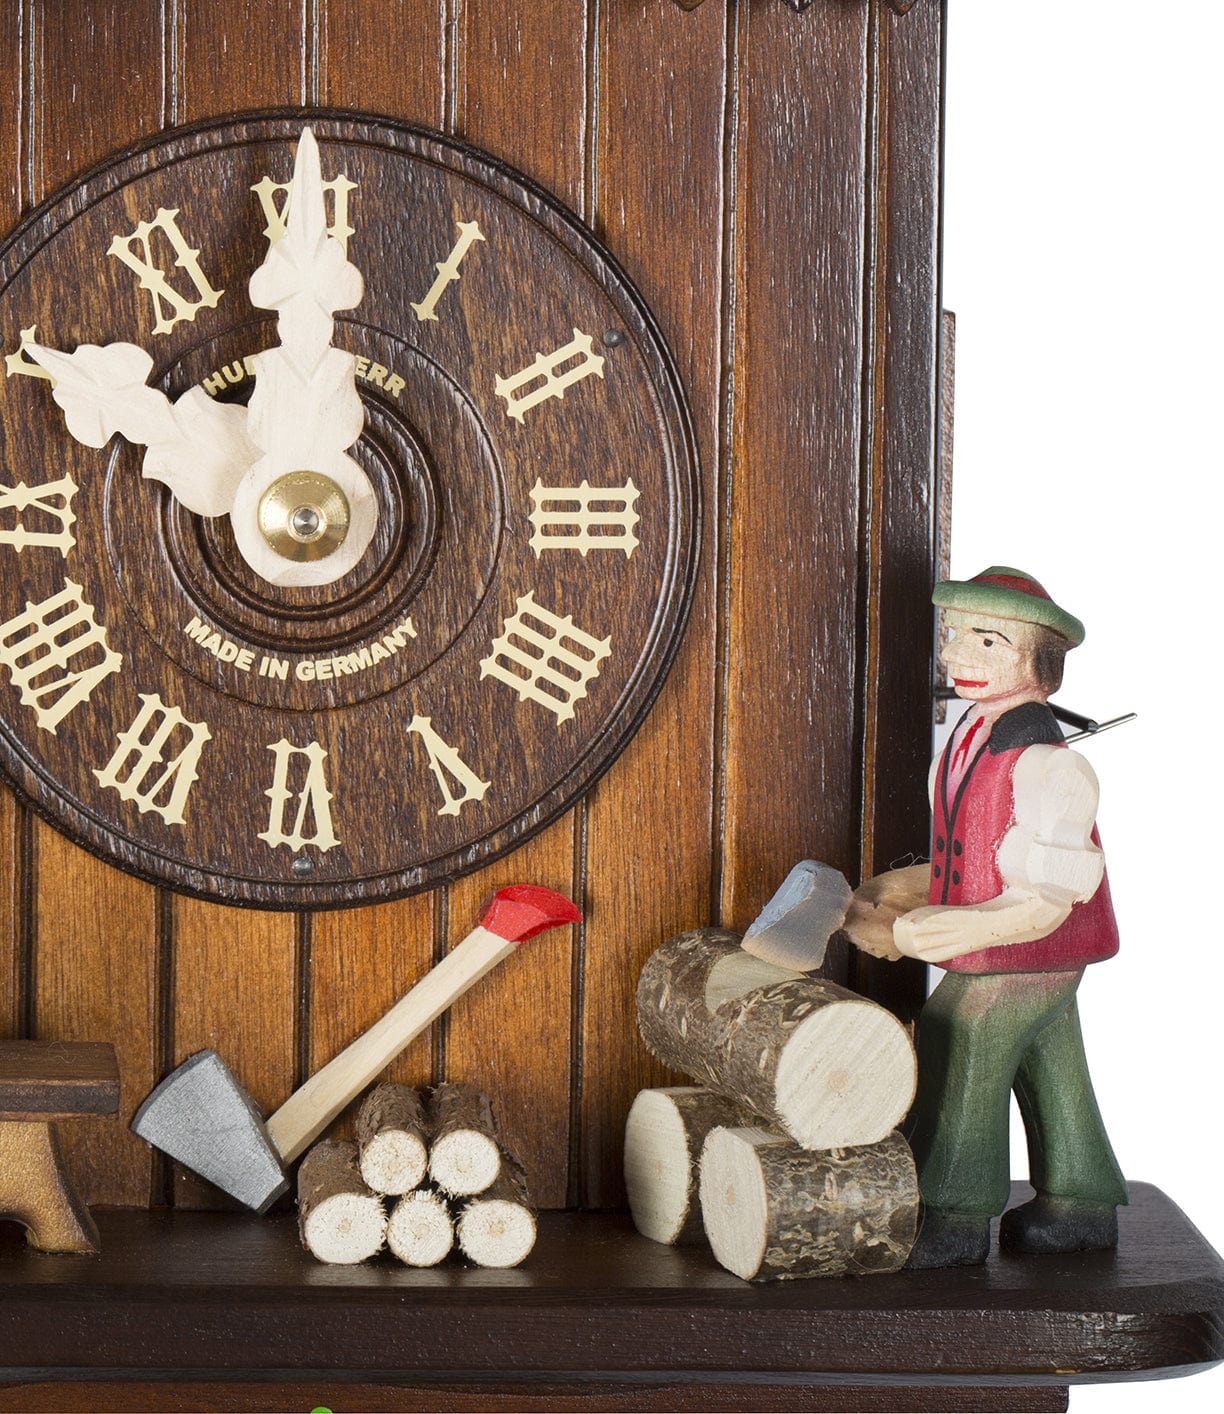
{"x":531,"y":545}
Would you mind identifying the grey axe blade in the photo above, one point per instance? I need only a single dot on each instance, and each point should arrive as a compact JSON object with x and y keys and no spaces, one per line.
{"x":794,"y":927}
{"x":202,"y":1117}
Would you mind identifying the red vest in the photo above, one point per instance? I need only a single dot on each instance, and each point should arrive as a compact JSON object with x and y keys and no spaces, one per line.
{"x":966,"y":832}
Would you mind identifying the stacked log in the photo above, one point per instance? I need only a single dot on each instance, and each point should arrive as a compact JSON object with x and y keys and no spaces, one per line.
{"x":445,"y":1169}
{"x":786,"y":1152}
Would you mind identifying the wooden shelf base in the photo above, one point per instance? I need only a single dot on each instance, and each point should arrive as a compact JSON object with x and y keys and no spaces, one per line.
{"x":206,"y":1310}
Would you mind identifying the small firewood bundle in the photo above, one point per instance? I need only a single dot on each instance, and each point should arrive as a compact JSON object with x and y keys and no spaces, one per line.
{"x":785,"y":1154}
{"x":445,"y":1171}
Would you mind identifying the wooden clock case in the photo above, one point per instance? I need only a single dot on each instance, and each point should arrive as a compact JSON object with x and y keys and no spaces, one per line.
{"x":769,"y":177}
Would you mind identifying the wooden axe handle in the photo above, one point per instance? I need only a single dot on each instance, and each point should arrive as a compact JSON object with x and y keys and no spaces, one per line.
{"x":310,"y":1109}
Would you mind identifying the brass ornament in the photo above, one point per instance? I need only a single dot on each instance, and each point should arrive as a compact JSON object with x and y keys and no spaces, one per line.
{"x":304,"y":516}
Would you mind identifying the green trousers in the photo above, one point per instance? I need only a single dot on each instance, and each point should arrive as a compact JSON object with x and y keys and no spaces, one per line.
{"x":980,"y":1037}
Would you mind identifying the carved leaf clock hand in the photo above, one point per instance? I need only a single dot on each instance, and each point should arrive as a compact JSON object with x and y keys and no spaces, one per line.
{"x":305,"y":511}
{"x":198,"y":447}
{"x":302,"y":510}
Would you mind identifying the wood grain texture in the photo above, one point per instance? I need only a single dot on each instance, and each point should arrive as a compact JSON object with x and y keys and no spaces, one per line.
{"x":390,"y":61}
{"x":95,"y":941}
{"x":662,"y":89}
{"x":512,"y":1035}
{"x":95,"y":978}
{"x":57,"y":1080}
{"x":789,"y":779}
{"x":899,"y":451}
{"x":128,"y":1397}
{"x":209,"y":1293}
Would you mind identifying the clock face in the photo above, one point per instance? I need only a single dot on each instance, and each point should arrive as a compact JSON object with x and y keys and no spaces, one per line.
{"x":505,"y":629}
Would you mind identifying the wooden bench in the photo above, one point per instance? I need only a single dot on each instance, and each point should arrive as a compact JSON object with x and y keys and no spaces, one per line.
{"x":42,"y":1082}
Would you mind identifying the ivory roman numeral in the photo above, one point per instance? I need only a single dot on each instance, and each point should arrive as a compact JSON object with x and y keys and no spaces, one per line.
{"x":170,"y":306}
{"x":56,"y":655}
{"x":549,"y":375}
{"x":142,"y":752}
{"x":19,"y":364}
{"x":274,"y":199}
{"x":545,"y":658}
{"x":584,"y":518}
{"x":313,"y":798}
{"x":444,"y":762}
{"x":448,"y":270}
{"x":51,"y":499}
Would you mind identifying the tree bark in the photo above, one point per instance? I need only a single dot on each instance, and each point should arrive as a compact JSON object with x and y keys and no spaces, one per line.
{"x":498,"y":1228}
{"x":664,"y":1135}
{"x":464,"y":1157}
{"x":826,"y":1066}
{"x":420,"y":1232}
{"x":340,"y":1220}
{"x":773,"y":1210}
{"x":391,"y":1138}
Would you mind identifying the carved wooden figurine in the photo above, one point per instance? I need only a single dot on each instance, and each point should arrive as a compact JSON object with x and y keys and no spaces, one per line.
{"x":1014,"y":905}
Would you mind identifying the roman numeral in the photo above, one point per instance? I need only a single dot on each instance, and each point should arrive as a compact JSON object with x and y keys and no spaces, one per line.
{"x":141,"y":752}
{"x":448,"y":270}
{"x":444,"y":762}
{"x":170,"y":306}
{"x":40,"y":646}
{"x":549,"y":376}
{"x":18,"y":363}
{"x":274,"y":199}
{"x":584,"y":518}
{"x":545,"y":658}
{"x":42,"y":499}
{"x":313,"y":798}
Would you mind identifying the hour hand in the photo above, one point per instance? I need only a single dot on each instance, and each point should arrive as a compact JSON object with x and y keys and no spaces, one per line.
{"x":198,"y":447}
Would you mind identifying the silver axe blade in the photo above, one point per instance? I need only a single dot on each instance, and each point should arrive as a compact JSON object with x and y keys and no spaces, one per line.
{"x":794,"y":927}
{"x":202,"y":1117}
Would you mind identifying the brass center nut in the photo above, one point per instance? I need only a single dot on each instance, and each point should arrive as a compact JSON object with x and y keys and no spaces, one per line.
{"x":304,"y":516}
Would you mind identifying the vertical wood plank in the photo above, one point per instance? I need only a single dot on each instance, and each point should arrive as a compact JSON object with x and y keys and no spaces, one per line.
{"x":512,"y":1034}
{"x":901,"y":451}
{"x":790,"y":779}
{"x":662,"y":91}
{"x":236,"y":971}
{"x":11,"y":813}
{"x":96,"y":942}
{"x":361,"y":961}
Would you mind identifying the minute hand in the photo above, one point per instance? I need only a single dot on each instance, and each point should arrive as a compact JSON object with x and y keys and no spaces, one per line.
{"x":305,"y":411}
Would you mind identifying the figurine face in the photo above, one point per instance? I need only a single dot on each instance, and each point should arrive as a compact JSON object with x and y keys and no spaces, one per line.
{"x":991,"y":659}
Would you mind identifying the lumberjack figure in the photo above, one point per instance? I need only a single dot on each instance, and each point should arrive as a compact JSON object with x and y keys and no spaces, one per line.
{"x":1016,"y":906}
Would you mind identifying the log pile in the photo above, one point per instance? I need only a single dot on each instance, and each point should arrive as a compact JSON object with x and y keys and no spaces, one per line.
{"x":785,"y":1152}
{"x":421,"y":1177}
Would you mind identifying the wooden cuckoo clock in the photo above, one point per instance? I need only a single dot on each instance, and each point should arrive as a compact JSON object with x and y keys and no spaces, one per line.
{"x":394,"y":542}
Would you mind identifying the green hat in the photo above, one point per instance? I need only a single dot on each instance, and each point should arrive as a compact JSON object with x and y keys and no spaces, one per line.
{"x":1011,"y":594}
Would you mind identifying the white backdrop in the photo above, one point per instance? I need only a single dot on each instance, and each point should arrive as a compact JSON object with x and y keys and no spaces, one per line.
{"x":1083,"y":258}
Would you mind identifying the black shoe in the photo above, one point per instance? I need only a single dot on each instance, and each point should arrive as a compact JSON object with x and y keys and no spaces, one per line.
{"x":950,"y":1240}
{"x":1051,"y":1224}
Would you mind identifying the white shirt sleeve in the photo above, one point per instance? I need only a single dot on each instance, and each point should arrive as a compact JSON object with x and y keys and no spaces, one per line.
{"x":1049,"y":850}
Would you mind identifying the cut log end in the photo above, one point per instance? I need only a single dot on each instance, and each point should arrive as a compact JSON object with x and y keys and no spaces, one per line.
{"x":391,"y":1137}
{"x":664,"y":1135}
{"x":420,"y":1232}
{"x":773,"y":1210}
{"x":340,"y":1220}
{"x":464,"y":1162}
{"x":846,"y":1076}
{"x":495,"y":1232}
{"x":394,"y":1162}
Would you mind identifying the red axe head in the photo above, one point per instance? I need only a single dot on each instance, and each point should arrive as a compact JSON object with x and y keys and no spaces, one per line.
{"x":521,"y":911}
